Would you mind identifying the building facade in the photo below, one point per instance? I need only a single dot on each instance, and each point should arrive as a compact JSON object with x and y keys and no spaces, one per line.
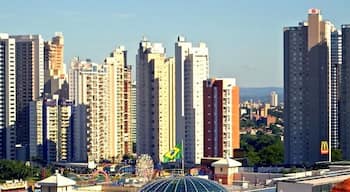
{"x":192,"y":68}
{"x":221,"y":117}
{"x":51,"y":128}
{"x":7,"y":96}
{"x":36,"y":135}
{"x":155,"y":93}
{"x":336,"y":61}
{"x":345,"y":93}
{"x":119,"y":79}
{"x":307,"y":90}
{"x":29,"y":81}
{"x":88,"y":88}
{"x":54,"y":66}
{"x":133,"y":116}
{"x":274,"y":99}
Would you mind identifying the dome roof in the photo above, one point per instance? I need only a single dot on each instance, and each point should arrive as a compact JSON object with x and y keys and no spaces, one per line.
{"x":183,"y":184}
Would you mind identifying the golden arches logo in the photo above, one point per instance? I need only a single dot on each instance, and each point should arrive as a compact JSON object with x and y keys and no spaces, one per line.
{"x":324,"y":148}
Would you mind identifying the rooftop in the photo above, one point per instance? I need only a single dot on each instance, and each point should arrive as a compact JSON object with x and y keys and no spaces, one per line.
{"x":226,"y":162}
{"x":326,"y":178}
{"x":57,"y":180}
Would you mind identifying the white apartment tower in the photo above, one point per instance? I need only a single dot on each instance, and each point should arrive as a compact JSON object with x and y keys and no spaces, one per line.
{"x":192,"y":68}
{"x":155,"y":93}
{"x":88,"y":89}
{"x":7,"y":96}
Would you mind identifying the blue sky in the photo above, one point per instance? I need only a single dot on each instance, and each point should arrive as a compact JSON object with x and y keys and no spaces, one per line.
{"x":244,"y":36}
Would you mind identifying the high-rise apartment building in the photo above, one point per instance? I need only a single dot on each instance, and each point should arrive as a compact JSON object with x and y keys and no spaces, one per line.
{"x":88,"y":88}
{"x":7,"y":96}
{"x":345,"y":93}
{"x":55,"y":53}
{"x":119,"y":79}
{"x":50,"y":129}
{"x":192,"y":68}
{"x":221,"y":117}
{"x":36,"y":135}
{"x":155,"y":82}
{"x":57,"y":126}
{"x":274,"y":99}
{"x":335,"y":77}
{"x":29,"y":80}
{"x":307,"y":90}
{"x":54,"y":67}
{"x":133,"y":116}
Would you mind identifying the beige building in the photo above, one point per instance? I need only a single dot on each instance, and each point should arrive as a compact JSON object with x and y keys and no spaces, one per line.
{"x":155,"y":82}
{"x":119,"y":91}
{"x":50,"y":129}
{"x":274,"y":99}
{"x":54,"y":67}
{"x":36,"y":130}
{"x":225,"y":170}
{"x":88,"y":89}
{"x":56,"y":50}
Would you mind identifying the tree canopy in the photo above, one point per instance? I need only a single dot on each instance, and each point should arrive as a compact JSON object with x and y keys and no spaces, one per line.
{"x":15,"y":170}
{"x":262,"y":149}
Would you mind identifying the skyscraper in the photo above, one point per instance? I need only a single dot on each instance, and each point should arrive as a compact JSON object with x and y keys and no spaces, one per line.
{"x":50,"y":129}
{"x":192,"y":68}
{"x":274,"y":99}
{"x":182,"y":49}
{"x":54,"y":67}
{"x":119,"y":79}
{"x":36,"y":129}
{"x":88,"y":88}
{"x":155,"y":82}
{"x":29,"y":80}
{"x":345,"y":93}
{"x":307,"y":90}
{"x":55,"y":53}
{"x":221,"y":117}
{"x":335,"y":77}
{"x":7,"y":96}
{"x":133,"y":116}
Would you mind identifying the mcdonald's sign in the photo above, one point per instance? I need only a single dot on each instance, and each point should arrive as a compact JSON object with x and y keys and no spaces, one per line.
{"x":324,"y":148}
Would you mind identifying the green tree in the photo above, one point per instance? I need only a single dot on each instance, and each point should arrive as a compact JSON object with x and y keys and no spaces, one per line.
{"x":15,"y":170}
{"x":253,"y":158}
{"x":272,"y":155}
{"x":247,"y":123}
{"x":337,"y":155}
{"x":262,"y":149}
{"x":275,"y":130}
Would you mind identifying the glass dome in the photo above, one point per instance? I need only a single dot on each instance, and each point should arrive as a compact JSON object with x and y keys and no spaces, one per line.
{"x":183,"y":184}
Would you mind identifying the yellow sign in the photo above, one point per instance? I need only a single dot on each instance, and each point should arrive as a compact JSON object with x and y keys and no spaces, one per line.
{"x":324,"y":148}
